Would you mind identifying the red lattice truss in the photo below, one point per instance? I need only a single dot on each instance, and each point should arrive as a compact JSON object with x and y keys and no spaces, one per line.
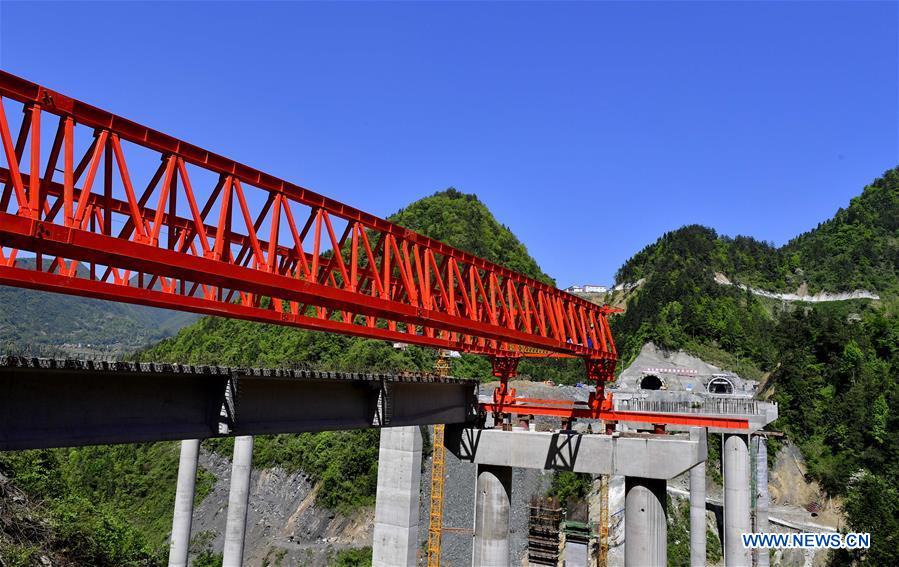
{"x":110,"y":209}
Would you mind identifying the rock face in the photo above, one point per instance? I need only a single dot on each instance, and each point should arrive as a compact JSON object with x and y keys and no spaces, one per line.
{"x":801,"y":293}
{"x":678,"y":372}
{"x":284,"y":524}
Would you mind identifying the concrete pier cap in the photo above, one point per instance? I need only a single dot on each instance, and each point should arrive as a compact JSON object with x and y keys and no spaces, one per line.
{"x":626,"y":454}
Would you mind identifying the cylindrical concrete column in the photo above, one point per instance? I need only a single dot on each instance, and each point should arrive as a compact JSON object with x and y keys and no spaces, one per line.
{"x":697,"y":515}
{"x":491,"y":517}
{"x":238,"y":500}
{"x":645,"y":522}
{"x":395,"y":540}
{"x":184,"y":502}
{"x":762,"y":498}
{"x":735,"y":457}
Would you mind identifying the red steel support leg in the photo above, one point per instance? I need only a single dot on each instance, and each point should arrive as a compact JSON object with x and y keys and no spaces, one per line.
{"x":504,"y":367}
{"x":602,"y":371}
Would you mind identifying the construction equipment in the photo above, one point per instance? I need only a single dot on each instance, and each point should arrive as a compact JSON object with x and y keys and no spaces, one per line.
{"x":603,"y":532}
{"x":438,"y":468}
{"x":435,"y":526}
{"x":100,"y":223}
{"x":544,"y":517}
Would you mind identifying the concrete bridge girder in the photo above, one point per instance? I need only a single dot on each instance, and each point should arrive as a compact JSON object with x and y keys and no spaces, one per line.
{"x":92,"y":404}
{"x":635,"y":455}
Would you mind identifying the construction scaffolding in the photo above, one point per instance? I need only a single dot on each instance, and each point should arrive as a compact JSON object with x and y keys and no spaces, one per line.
{"x":545,"y":516}
{"x":602,"y":556}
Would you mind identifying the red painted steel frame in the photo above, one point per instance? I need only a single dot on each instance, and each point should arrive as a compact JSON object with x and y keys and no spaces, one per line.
{"x":566,"y":409}
{"x":252,"y":246}
{"x":371,"y":279}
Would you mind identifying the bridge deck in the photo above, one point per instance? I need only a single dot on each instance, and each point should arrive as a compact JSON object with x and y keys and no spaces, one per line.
{"x":55,"y":403}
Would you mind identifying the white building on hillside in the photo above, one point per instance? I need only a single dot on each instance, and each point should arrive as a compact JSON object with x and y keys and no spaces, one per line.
{"x":587,"y":288}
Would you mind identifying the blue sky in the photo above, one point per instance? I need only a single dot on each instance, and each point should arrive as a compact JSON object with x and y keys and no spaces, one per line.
{"x":587,"y":128}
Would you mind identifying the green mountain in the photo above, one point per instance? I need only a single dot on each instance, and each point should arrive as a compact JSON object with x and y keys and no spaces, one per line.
{"x":464,"y":222}
{"x":856,"y":249}
{"x":57,"y":325}
{"x":833,"y":367}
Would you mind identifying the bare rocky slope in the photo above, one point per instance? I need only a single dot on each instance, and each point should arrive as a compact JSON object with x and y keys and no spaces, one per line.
{"x":286,"y":527}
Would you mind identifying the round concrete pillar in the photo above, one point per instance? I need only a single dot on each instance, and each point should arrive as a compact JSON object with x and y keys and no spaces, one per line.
{"x":697,"y":506}
{"x":184,"y":502}
{"x":645,"y":522}
{"x":735,"y":461}
{"x":697,"y":515}
{"x":491,"y":517}
{"x":762,"y":497}
{"x":238,"y":500}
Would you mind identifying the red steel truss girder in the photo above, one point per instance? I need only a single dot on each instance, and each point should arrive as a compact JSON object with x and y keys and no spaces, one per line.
{"x":377,"y":279}
{"x":84,"y":287}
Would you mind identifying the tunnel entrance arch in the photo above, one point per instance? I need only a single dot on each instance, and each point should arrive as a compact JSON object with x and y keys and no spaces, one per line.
{"x":720,"y":385}
{"x":651,"y":382}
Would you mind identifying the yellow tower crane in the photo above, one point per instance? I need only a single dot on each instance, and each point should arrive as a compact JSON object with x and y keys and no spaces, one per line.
{"x":438,"y":468}
{"x":603,"y":556}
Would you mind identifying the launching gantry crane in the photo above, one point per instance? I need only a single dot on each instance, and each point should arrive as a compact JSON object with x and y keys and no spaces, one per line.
{"x":192,"y":237}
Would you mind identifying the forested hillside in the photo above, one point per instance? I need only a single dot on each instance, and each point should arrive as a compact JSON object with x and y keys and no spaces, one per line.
{"x":856,"y":249}
{"x":832,"y":367}
{"x":53,"y":324}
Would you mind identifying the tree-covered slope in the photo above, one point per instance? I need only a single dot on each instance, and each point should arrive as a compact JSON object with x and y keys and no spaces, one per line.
{"x":832,"y":367}
{"x":42,"y":322}
{"x":461,"y":220}
{"x":857,"y":249}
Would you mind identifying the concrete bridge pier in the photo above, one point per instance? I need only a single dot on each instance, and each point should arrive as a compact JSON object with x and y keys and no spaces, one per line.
{"x":492,"y":514}
{"x":184,"y":502}
{"x":645,"y":522}
{"x":645,"y":460}
{"x":697,"y":510}
{"x":735,"y":461}
{"x":395,"y":541}
{"x":762,"y":497}
{"x":238,"y":500}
